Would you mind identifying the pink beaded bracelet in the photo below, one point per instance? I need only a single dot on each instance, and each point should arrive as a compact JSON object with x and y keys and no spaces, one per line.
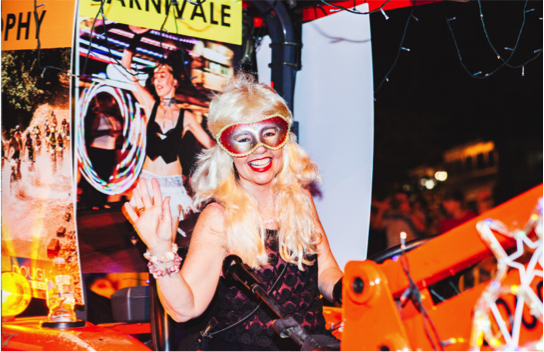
{"x":166,"y":271}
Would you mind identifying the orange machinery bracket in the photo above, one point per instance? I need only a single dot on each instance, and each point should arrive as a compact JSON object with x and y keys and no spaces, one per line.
{"x":372,"y":316}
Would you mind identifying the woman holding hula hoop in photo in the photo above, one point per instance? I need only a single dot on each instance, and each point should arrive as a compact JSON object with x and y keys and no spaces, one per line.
{"x":166,"y":125}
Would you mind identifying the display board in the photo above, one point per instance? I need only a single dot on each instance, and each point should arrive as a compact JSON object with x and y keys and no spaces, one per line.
{"x":116,"y":91}
{"x":37,"y":196}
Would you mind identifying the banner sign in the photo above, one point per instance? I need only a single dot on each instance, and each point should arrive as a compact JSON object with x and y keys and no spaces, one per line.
{"x":19,"y":24}
{"x":219,"y":20}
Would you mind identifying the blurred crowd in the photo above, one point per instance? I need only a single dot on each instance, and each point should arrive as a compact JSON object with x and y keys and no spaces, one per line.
{"x":403,"y":212}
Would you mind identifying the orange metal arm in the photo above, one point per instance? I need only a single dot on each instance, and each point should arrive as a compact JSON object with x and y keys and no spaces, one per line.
{"x":372,"y":314}
{"x":460,"y":247}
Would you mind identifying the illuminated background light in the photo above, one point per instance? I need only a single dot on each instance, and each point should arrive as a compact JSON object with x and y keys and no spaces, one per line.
{"x":494,"y":342}
{"x":429,"y":184}
{"x":16,"y":294}
{"x":441,"y":175}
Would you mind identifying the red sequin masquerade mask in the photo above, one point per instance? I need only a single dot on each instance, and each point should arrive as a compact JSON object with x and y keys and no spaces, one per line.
{"x":240,"y":140}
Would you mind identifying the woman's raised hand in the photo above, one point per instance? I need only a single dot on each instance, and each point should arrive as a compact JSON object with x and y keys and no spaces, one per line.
{"x":150,"y":216}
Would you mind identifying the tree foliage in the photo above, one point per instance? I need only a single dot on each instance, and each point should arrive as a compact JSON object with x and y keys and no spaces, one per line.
{"x":19,"y":80}
{"x":25,"y":85}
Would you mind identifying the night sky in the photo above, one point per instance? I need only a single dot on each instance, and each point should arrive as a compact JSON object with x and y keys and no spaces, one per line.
{"x":431,"y":103}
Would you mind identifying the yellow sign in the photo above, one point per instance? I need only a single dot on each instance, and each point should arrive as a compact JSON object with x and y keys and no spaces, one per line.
{"x":219,"y":20}
{"x":56,"y":19}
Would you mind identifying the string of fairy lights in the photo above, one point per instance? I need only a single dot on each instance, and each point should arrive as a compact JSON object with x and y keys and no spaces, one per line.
{"x":472,"y":73}
{"x":505,"y":63}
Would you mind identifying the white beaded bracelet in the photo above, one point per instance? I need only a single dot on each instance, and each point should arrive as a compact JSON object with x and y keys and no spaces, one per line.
{"x":165,"y":258}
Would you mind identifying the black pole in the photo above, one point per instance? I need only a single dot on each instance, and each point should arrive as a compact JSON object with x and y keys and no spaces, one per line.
{"x":160,"y":326}
{"x":284,"y":47}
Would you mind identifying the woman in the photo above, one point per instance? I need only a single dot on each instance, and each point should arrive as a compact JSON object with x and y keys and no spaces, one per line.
{"x":166,"y":125}
{"x":16,"y":143}
{"x":60,"y":142}
{"x":47,"y":131}
{"x":37,"y":138}
{"x":253,"y":186}
{"x":104,"y":129}
{"x":29,"y":146}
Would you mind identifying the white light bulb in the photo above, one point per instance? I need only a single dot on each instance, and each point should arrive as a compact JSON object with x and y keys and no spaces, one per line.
{"x":441,"y":175}
{"x":429,"y":184}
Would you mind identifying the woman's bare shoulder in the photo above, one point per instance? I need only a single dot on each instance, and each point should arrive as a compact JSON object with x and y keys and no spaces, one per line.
{"x":213,"y":210}
{"x":211,"y":222}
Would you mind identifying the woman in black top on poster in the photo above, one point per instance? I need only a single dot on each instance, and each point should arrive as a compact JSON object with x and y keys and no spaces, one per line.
{"x":103,"y":128}
{"x":166,"y":125}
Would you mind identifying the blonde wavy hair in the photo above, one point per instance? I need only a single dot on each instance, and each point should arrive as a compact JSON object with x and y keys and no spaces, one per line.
{"x":241,"y":100}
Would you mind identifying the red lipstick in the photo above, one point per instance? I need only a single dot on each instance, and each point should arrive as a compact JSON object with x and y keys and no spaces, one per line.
{"x":261,"y":169}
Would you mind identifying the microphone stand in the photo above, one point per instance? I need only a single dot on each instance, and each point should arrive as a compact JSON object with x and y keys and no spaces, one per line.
{"x":286,"y":326}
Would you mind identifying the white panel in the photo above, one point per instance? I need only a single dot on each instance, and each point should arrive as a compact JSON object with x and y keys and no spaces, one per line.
{"x":334,"y":106}
{"x":264,"y":57}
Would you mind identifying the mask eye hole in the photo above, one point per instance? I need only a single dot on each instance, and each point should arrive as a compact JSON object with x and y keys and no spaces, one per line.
{"x":270,"y":135}
{"x":243,"y":138}
{"x":270,"y":132}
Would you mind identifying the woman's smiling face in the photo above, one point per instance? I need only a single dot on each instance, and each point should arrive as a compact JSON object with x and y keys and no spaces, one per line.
{"x":260,"y":167}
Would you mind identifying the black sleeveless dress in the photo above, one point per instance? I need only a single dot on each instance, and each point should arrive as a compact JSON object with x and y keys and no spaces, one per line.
{"x":296,"y":291}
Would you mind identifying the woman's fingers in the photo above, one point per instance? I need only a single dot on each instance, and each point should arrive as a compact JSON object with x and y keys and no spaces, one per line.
{"x":166,"y":215}
{"x":129,"y":212}
{"x":167,"y":223}
{"x":144,"y":191}
{"x":136,"y":200}
{"x":157,"y":195}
